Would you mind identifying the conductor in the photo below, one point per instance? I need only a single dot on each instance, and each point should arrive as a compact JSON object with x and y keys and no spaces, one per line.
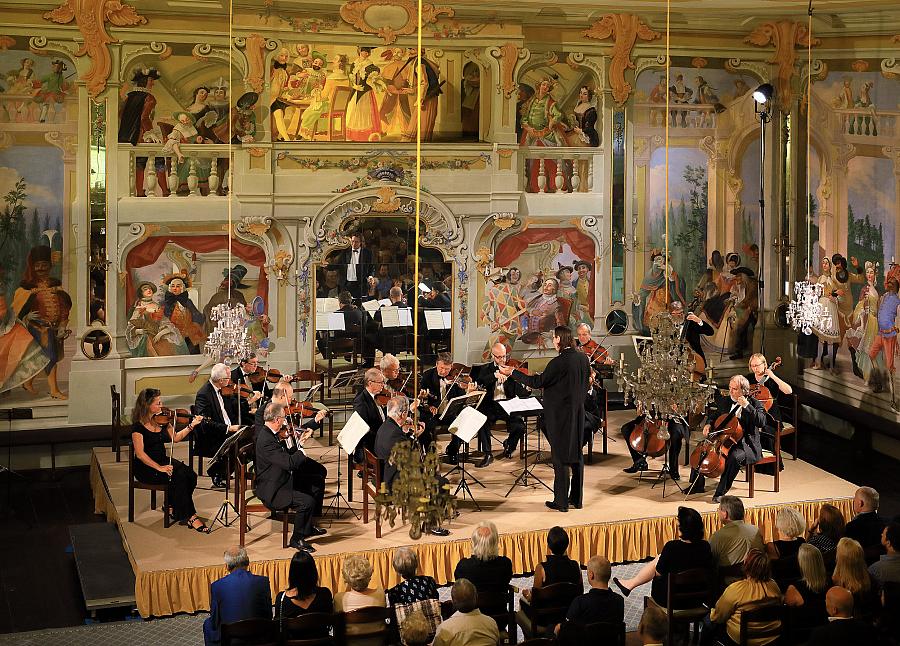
{"x":565,"y":383}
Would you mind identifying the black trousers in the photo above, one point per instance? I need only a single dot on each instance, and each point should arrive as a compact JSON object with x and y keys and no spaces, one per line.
{"x":180,"y":490}
{"x":493,"y":411}
{"x":303,"y":505}
{"x":737,"y":458}
{"x":677,"y":432}
{"x":568,"y":482}
{"x":310,"y":479}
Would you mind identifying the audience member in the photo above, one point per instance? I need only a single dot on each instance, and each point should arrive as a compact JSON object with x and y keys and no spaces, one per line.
{"x":888,"y":624}
{"x":413,"y":587}
{"x":841,"y":628}
{"x":807,"y":596}
{"x":467,"y":626}
{"x":850,"y":572}
{"x":887,"y":568}
{"x":485,"y":568}
{"x":756,"y":586}
{"x":688,"y":552}
{"x":237,"y":596}
{"x":597,"y":604}
{"x":558,"y":568}
{"x":735,"y":539}
{"x":415,"y":630}
{"x":357,"y":572}
{"x":654,"y":626}
{"x":867,"y":525}
{"x":789,"y":527}
{"x":303,"y":594}
{"x":827,"y":531}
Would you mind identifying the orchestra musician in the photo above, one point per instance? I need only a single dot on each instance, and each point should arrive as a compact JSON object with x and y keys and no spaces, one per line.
{"x":597,"y":353}
{"x":437,"y":387}
{"x":565,"y":382}
{"x":395,"y":334}
{"x":220,"y":415}
{"x":497,"y":387}
{"x":275,"y":482}
{"x":593,"y":408}
{"x":678,"y":430}
{"x":241,"y":375}
{"x":752,"y":417}
{"x":355,"y":265}
{"x":152,"y":465}
{"x":694,"y":328}
{"x":353,"y":328}
{"x":761,"y":374}
{"x":392,"y":431}
{"x":368,"y":408}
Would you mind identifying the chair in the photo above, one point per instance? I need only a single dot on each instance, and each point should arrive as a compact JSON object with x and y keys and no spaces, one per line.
{"x":337,"y":347}
{"x":259,"y":632}
{"x":687,"y":598}
{"x":369,"y":615}
{"x":373,"y":468}
{"x":313,"y":623}
{"x":765,"y":612}
{"x":790,"y":424}
{"x":116,"y":423}
{"x":768,"y":457}
{"x":338,"y":111}
{"x":599,"y":632}
{"x":724,"y":573}
{"x":192,"y":448}
{"x":785,"y":571}
{"x":548,"y":607}
{"x":246,"y":504}
{"x":497,"y":603}
{"x":152,"y":488}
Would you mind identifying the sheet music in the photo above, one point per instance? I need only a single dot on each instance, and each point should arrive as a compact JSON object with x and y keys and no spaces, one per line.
{"x":405,"y":317}
{"x":343,"y":378}
{"x":467,"y":423}
{"x":311,"y":393}
{"x":434,"y":320}
{"x":371,"y":306}
{"x":354,"y":430}
{"x":335,"y":321}
{"x":390,"y":317}
{"x":326,"y":305}
{"x":520,"y":404}
{"x":448,"y":319}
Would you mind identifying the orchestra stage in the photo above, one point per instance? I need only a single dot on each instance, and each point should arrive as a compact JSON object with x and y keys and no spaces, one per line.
{"x":623,"y":518}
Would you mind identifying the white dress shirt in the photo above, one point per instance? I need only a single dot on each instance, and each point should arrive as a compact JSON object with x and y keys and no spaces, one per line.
{"x":222,"y":406}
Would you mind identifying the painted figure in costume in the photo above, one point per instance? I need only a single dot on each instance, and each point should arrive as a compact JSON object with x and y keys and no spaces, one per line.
{"x":218,"y":130}
{"x":470,"y":100}
{"x":888,"y":314}
{"x":21,"y":356}
{"x":180,"y":309}
{"x":149,"y":332}
{"x":746,"y":310}
{"x":232,"y":283}
{"x":585,"y":117}
{"x":829,"y":331}
{"x":21,"y":82}
{"x":321,"y":102}
{"x":844,"y":279}
{"x":396,"y":107}
{"x":653,"y":297}
{"x":864,"y":324}
{"x":564,"y":276}
{"x":430,"y":87}
{"x":540,"y":124}
{"x":503,"y":305}
{"x":584,"y":295}
{"x":53,"y":91}
{"x":545,"y":312}
{"x":136,"y":124}
{"x":363,"y":120}
{"x":306,"y":86}
{"x":658,"y":95}
{"x":277,"y":85}
{"x":43,"y":306}
{"x":183,"y":132}
{"x":679,"y":93}
{"x":243,"y":119}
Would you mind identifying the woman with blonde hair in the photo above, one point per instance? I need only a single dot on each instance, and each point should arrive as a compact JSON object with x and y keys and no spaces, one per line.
{"x":807,"y":596}
{"x":851,"y":573}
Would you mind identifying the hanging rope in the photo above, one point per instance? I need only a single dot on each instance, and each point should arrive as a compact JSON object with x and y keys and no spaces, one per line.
{"x":667,"y":116}
{"x":415,"y":310}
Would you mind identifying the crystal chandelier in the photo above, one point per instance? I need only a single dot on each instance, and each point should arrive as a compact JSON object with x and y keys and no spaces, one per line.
{"x":664,"y":384}
{"x":230,"y":338}
{"x":804,"y":311}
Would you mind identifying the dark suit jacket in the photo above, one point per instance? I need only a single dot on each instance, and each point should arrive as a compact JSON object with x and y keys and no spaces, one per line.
{"x":275,"y":468}
{"x":484,"y":376}
{"x":866,"y":528}
{"x":692,"y":335}
{"x":842,"y":632}
{"x":363,"y":269}
{"x":431,"y":382}
{"x":752,"y":419}
{"x":212,"y":431}
{"x":365,"y":405}
{"x":388,"y":435}
{"x":237,"y":596}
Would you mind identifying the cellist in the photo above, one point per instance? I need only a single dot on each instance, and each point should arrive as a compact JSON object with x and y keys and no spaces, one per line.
{"x":760,"y":373}
{"x":751,"y":415}
{"x":677,"y":428}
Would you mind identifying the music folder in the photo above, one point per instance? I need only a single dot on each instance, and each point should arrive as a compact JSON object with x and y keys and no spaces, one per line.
{"x":467,"y":423}
{"x":354,"y":430}
{"x":230,"y":441}
{"x":451,"y":408}
{"x":520,"y":405}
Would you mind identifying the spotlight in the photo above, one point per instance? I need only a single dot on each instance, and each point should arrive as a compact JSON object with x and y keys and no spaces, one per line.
{"x":764,"y":93}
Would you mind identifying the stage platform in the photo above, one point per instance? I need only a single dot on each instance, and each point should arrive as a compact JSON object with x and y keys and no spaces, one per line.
{"x":623,"y":518}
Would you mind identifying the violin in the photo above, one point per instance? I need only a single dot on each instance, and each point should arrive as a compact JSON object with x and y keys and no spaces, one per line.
{"x":649,"y":438}
{"x":180,"y":417}
{"x":460,"y":374}
{"x":596,"y":353}
{"x":245,"y":391}
{"x":710,"y":455}
{"x":761,"y":393}
{"x":304,"y":409}
{"x":515,"y":364}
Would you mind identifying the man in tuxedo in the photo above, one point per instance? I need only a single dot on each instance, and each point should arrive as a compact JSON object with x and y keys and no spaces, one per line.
{"x":694,"y":328}
{"x":241,"y":375}
{"x":237,"y":596}
{"x":497,"y":387}
{"x":221,"y":413}
{"x":372,"y":414}
{"x":842,"y":628}
{"x":677,"y":429}
{"x":752,"y":416}
{"x":355,"y":265}
{"x":437,"y":388}
{"x":275,"y":467}
{"x":593,"y":408}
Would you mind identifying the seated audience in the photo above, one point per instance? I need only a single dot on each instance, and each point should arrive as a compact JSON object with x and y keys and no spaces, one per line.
{"x":789,"y":528}
{"x":237,"y":596}
{"x":841,"y":628}
{"x":597,"y":604}
{"x":735,"y":539}
{"x":415,"y":630}
{"x":827,"y":531}
{"x":688,"y":552}
{"x":357,"y":572}
{"x":850,"y":572}
{"x":654,"y":626}
{"x":414,"y":587}
{"x":303,"y":594}
{"x":867,"y":525}
{"x":467,"y":626}
{"x":888,"y":624}
{"x":485,"y":568}
{"x":806,"y":597}
{"x":756,"y":586}
{"x":558,"y":568}
{"x":887,"y":568}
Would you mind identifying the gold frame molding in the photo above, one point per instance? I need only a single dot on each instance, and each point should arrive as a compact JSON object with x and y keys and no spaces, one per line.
{"x":354,"y":14}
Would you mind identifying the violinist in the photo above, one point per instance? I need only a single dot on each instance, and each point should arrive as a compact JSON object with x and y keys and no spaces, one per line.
{"x":246,"y":373}
{"x":436,"y":387}
{"x":275,"y":481}
{"x":390,"y":368}
{"x":221,"y":417}
{"x":150,"y":433}
{"x":390,"y":337}
{"x":593,"y":408}
{"x":762,"y":374}
{"x":369,"y":409}
{"x":392,"y":431}
{"x":596,"y":352}
{"x":496,"y":387}
{"x":751,"y":415}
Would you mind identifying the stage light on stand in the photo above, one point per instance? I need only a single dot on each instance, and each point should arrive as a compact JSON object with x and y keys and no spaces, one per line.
{"x":764,"y":93}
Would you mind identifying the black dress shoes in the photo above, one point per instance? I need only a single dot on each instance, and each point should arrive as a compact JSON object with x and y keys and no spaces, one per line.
{"x":488,"y":458}
{"x":318,"y":531}
{"x":451,"y":459}
{"x":507,"y":452}
{"x":641,"y":465}
{"x":439,"y":531}
{"x":573,"y":504}
{"x":675,"y":476}
{"x":301,"y":544}
{"x":218,"y":482}
{"x":552,"y":505}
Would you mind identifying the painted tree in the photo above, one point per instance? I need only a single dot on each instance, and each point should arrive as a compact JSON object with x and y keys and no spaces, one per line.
{"x":690,"y":237}
{"x":12,"y":231}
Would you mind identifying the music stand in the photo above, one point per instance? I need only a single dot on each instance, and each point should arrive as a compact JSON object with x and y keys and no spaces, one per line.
{"x":516,"y":407}
{"x":221,"y":516}
{"x":450,"y":409}
{"x":350,"y":436}
{"x":465,"y":426}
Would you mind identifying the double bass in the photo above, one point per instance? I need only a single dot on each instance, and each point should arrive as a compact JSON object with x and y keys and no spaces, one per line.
{"x":708,"y":459}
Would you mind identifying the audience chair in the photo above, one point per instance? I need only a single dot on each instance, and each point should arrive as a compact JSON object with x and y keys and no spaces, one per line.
{"x":600,"y":632}
{"x":688,"y":596}
{"x":548,"y":607}
{"x":313,"y":623}
{"x":498,"y":604}
{"x":152,"y":488}
{"x":369,"y":615}
{"x":768,"y":457}
{"x":259,"y":632}
{"x":766,"y":612}
{"x":790,"y":416}
{"x":116,"y":422}
{"x":373,"y":469}
{"x":786,"y":571}
{"x":246,"y":501}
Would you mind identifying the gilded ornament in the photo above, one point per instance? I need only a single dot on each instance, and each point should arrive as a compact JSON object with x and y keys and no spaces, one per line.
{"x":387,"y":201}
{"x":625,"y":29}
{"x":785,"y":36}
{"x":365,"y":16}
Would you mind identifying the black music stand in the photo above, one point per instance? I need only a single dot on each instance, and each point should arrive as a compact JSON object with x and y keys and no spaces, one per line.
{"x":221,"y":516}
{"x":448,"y":412}
{"x":527,"y":471}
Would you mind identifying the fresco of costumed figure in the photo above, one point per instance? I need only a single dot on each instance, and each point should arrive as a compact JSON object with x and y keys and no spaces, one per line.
{"x":180,"y":309}
{"x":149,"y":332}
{"x":363,"y":119}
{"x":652,"y":298}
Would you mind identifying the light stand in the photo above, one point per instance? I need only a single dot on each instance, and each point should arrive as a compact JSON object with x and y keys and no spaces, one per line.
{"x":762,"y":102}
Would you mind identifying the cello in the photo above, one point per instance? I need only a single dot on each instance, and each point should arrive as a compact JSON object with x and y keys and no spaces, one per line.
{"x":649,"y":438}
{"x":761,"y":393}
{"x":708,"y":458}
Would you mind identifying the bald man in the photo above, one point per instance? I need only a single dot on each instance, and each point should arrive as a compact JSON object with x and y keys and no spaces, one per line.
{"x":842,"y":628}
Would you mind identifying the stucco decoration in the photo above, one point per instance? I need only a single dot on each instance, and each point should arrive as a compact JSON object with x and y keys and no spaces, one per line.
{"x":509,"y":56}
{"x":624,"y":29}
{"x":389,"y":19}
{"x":255,"y":47}
{"x":91,"y":17}
{"x":785,"y":36}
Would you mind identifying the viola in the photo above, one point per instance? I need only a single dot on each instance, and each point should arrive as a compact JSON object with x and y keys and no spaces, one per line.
{"x":180,"y":417}
{"x":521,"y":366}
{"x":761,"y":393}
{"x":304,"y":409}
{"x":649,"y":438}
{"x":710,"y":455}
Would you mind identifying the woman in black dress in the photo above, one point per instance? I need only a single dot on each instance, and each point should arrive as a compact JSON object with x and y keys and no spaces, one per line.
{"x":586,"y":118}
{"x":304,"y":595}
{"x":806,"y":597}
{"x":152,"y":465}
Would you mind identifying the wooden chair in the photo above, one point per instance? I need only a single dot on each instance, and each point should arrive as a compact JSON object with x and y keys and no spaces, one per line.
{"x":599,"y":632}
{"x":246,"y":502}
{"x":687,"y":598}
{"x":320,"y":623}
{"x":373,"y":468}
{"x":384,"y":617}
{"x":259,"y":632}
{"x":116,"y":422}
{"x":152,"y":488}
{"x":341,"y":346}
{"x":765,"y":612}
{"x":768,"y":457}
{"x":497,"y":603}
{"x":548,"y":607}
{"x":338,"y":111}
{"x":790,"y":424}
{"x":192,"y":448}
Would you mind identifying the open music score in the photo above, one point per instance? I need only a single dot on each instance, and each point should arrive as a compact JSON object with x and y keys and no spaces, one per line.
{"x":372,"y":306}
{"x":396,"y":317}
{"x":438,"y":320}
{"x":520,"y":405}
{"x":467,"y":423}
{"x":354,"y":430}
{"x":327,"y":305}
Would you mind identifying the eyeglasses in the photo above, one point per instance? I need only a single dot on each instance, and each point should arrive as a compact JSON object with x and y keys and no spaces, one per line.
{"x":499,"y":357}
